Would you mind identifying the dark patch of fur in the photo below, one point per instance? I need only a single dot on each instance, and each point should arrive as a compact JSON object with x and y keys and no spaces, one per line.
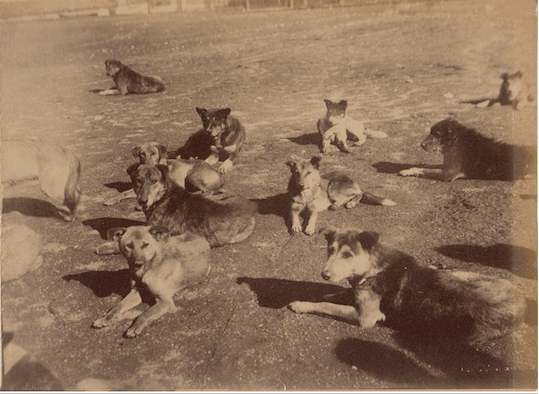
{"x":129,"y":81}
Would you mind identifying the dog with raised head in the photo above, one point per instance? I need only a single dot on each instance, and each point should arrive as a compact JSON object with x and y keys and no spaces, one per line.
{"x":221,"y":139}
{"x":514,"y":90}
{"x":130,"y":82}
{"x":468,"y":154}
{"x":311,"y":194}
{"x":227,"y":221}
{"x":56,"y":168}
{"x":336,"y":126}
{"x":160,"y":265}
{"x":193,"y":175}
{"x":389,"y":284}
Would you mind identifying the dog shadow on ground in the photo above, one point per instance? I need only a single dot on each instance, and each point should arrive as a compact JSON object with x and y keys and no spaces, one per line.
{"x":30,"y":207}
{"x":306,"y":139}
{"x":517,"y":259}
{"x":104,"y":283}
{"x":278,"y":205}
{"x":482,"y":101}
{"x":394,"y":168}
{"x":278,"y":293}
{"x":102,"y":225}
{"x":120,"y":186}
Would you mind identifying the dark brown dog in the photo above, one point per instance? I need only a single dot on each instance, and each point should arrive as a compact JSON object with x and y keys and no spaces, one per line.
{"x":468,"y":154}
{"x":221,"y":139}
{"x":459,"y":306}
{"x":130,"y":82}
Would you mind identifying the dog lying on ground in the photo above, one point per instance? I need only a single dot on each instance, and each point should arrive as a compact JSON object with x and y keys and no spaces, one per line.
{"x":129,"y":82}
{"x":221,"y":138}
{"x":56,"y":168}
{"x":468,"y":154}
{"x":335,"y":126}
{"x":191,"y":174}
{"x":514,"y":91}
{"x":159,"y":264}
{"x":460,"y":306}
{"x":308,"y":194}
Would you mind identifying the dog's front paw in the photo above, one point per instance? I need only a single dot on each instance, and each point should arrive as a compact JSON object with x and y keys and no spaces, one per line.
{"x":135,"y":330}
{"x":100,"y":323}
{"x":296,"y":228}
{"x":299,"y":307}
{"x":414,"y":171}
{"x":351,"y":204}
{"x":108,"y":248}
{"x":309,"y":230}
{"x":225,"y":167}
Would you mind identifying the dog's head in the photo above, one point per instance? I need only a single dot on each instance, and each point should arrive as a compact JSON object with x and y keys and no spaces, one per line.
{"x":350,"y":254}
{"x":151,"y":153}
{"x":305,"y":174}
{"x":140,"y":244}
{"x":149,"y":183}
{"x":214,"y":121}
{"x":442,"y":135}
{"x":335,"y":111}
{"x":511,"y":88}
{"x":112,"y":67}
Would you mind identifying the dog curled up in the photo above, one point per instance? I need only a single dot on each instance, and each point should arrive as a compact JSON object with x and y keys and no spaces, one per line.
{"x":468,"y":154}
{"x":335,"y":127}
{"x":309,"y":193}
{"x":56,"y":168}
{"x":130,"y":82}
{"x":220,"y":139}
{"x":160,"y":265}
{"x":389,"y":284}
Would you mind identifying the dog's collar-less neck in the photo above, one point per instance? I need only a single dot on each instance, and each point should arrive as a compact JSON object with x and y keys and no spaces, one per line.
{"x":302,"y":199}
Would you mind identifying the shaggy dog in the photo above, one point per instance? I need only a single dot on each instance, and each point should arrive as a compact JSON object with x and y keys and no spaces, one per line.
{"x":468,"y":154}
{"x":160,"y":265}
{"x":335,"y":126}
{"x":56,"y":168}
{"x":387,"y":283}
{"x":221,"y":139}
{"x":309,"y":194}
{"x":129,"y":82}
{"x":514,"y":91}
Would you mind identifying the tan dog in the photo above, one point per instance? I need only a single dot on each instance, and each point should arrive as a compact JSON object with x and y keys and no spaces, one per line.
{"x":130,"y":82}
{"x":514,"y":91}
{"x":309,"y":193}
{"x":159,"y":264}
{"x":194,"y":173}
{"x":335,"y":127}
{"x":56,"y":168}
{"x":387,"y":283}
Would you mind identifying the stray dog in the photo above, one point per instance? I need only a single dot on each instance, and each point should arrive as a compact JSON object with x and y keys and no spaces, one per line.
{"x":159,"y":264}
{"x":188,"y":174}
{"x":222,"y":222}
{"x":57,"y":169}
{"x":514,"y":91}
{"x":129,"y":82}
{"x":227,"y":136}
{"x":468,"y":154}
{"x":335,"y":126}
{"x":308,"y":195}
{"x":385,"y":282}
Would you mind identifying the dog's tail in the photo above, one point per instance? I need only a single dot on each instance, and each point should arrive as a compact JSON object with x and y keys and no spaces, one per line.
{"x":369,"y":198}
{"x":375,"y":134}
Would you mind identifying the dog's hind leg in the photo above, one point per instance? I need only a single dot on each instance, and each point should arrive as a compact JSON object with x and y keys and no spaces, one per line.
{"x":129,"y":302}
{"x":368,"y":303}
{"x":343,"y":312}
{"x":244,"y":232}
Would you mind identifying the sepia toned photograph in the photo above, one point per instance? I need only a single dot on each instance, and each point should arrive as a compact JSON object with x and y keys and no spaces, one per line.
{"x":268,"y":195}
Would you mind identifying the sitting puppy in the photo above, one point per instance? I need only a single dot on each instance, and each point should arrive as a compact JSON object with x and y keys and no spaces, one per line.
{"x":387,"y":283}
{"x":514,"y":91}
{"x":225,"y":134}
{"x":468,"y":154}
{"x":129,"y":82}
{"x":192,"y":175}
{"x":307,"y":193}
{"x":335,"y":125}
{"x":160,"y":265}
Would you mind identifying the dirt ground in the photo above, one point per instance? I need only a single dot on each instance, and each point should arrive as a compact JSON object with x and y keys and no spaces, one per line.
{"x":401,"y":67}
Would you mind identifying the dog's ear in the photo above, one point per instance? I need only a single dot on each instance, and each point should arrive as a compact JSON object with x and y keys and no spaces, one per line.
{"x":315,"y":161}
{"x":162,"y":151}
{"x":163,"y":169}
{"x":201,"y":111}
{"x":343,"y":104}
{"x":368,"y":239}
{"x":329,"y":233}
{"x":328,"y":102}
{"x":115,"y":233}
{"x":132,"y":170}
{"x":160,"y":233}
{"x":223,"y":113}
{"x":292,"y":164}
{"x":136,"y":151}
